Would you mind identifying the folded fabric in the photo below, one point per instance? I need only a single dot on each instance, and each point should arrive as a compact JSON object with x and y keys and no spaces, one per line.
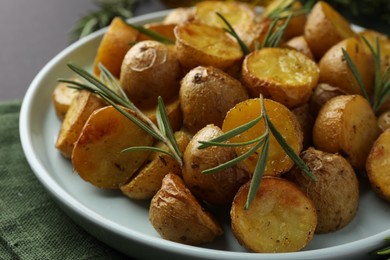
{"x":32,"y":226}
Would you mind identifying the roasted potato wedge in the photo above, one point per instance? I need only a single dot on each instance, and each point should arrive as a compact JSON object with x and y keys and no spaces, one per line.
{"x":82,"y":106}
{"x":62,"y":97}
{"x":97,"y":155}
{"x":334,"y":69}
{"x":178,"y":216}
{"x":347,"y":125}
{"x":324,"y":28}
{"x":281,"y":218}
{"x":114,"y":46}
{"x":150,"y":69}
{"x":378,"y":165}
{"x":284,"y":75}
{"x":214,"y":188}
{"x":206,"y":95}
{"x":204,"y":45}
{"x":148,"y":178}
{"x":335,"y":193}
{"x":283,"y":119}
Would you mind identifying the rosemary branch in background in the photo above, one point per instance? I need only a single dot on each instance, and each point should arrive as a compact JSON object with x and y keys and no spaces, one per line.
{"x":95,"y":20}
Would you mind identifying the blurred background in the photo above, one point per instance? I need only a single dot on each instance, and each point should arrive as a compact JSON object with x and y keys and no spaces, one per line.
{"x":34,"y":31}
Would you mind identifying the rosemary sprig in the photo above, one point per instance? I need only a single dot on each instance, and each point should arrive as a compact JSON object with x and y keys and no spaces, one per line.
{"x":261,"y":142}
{"x":273,"y":37}
{"x":152,"y":34}
{"x":286,"y":8}
{"x":384,"y":250}
{"x":381,"y":83}
{"x":110,"y":91}
{"x":107,"y":10}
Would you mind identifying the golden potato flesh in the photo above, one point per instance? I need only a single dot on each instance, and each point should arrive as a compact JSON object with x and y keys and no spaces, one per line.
{"x":177,"y":215}
{"x":280,"y":218}
{"x":335,"y":71}
{"x":283,"y":119}
{"x":204,"y":45}
{"x":150,"y":69}
{"x":378,"y":165}
{"x":114,"y":46}
{"x":324,"y":28}
{"x":215,"y":188}
{"x":347,"y":125}
{"x":206,"y":95}
{"x":284,"y":75}
{"x":335,"y":193}
{"x":97,"y":155}
{"x":240,"y":16}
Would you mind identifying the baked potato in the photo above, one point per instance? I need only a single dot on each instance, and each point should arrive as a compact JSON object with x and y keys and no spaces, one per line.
{"x":206,"y":95}
{"x":335,"y":193}
{"x":347,"y":125}
{"x":178,"y":216}
{"x":281,"y":218}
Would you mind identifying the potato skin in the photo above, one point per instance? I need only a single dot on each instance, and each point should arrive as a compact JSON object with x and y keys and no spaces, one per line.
{"x":150,"y":69}
{"x":335,"y":71}
{"x":347,"y":125}
{"x":321,"y":94}
{"x":215,"y":188}
{"x":384,"y":121}
{"x":324,"y":28}
{"x":177,"y":215}
{"x":281,"y":218}
{"x":206,"y":95}
{"x":335,"y":193}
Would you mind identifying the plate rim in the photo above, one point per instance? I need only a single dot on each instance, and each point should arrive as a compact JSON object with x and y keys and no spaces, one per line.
{"x":81,"y":214}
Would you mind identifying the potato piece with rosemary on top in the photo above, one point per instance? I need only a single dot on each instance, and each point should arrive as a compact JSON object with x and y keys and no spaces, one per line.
{"x":284,"y":121}
{"x":204,"y":45}
{"x":281,"y":218}
{"x":347,"y":125}
{"x":284,"y":75}
{"x":178,"y":216}
{"x":97,"y":155}
{"x":378,"y":165}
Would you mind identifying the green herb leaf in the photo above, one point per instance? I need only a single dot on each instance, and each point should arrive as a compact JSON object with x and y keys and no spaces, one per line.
{"x":152,"y":34}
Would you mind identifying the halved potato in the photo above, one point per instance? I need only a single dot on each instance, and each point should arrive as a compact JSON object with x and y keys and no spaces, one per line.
{"x":284,"y":75}
{"x":324,"y":28}
{"x":97,"y":155}
{"x":334,"y":69}
{"x":114,"y":46}
{"x":204,"y":45}
{"x":378,"y":165}
{"x":148,"y":178}
{"x":283,"y":119}
{"x":82,"y":106}
{"x":281,"y":218}
{"x":178,"y":216}
{"x":335,"y":193}
{"x":347,"y":125}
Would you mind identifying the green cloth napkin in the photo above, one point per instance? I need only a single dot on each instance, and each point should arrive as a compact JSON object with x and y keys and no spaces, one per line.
{"x":32,"y":226}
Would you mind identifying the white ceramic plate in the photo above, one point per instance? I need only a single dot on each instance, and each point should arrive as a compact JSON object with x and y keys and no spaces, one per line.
{"x":123,"y":223}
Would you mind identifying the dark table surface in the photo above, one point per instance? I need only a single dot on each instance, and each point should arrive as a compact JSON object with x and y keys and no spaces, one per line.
{"x":33,"y":31}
